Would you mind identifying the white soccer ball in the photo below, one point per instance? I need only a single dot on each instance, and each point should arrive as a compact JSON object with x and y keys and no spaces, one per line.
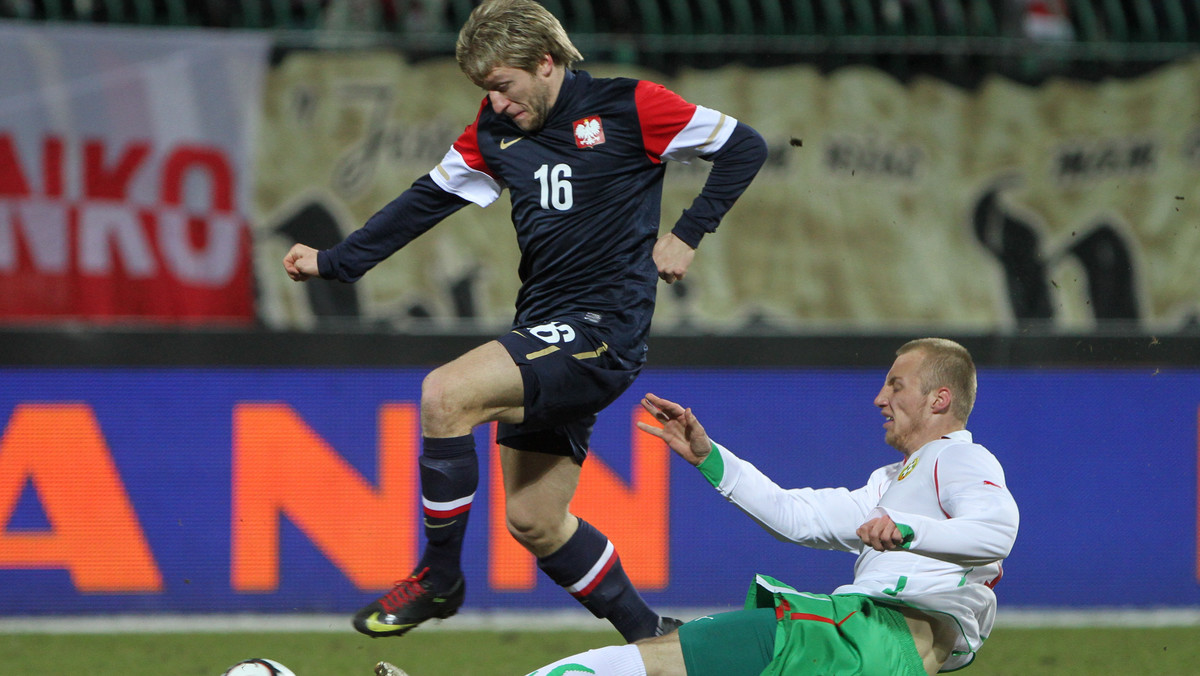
{"x":258,"y":666}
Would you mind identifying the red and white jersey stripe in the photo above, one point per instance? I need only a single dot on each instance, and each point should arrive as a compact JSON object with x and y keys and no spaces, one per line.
{"x":463,"y":173}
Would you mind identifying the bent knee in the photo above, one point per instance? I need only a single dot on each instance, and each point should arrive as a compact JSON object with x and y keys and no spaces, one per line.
{"x":528,"y":529}
{"x":539,"y":532}
{"x":441,"y":402}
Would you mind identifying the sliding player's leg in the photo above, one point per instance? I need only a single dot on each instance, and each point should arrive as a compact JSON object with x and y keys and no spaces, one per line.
{"x":738,"y":643}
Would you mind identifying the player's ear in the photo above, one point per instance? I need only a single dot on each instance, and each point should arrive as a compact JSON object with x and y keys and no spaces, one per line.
{"x":942,"y":399}
{"x":546,"y":65}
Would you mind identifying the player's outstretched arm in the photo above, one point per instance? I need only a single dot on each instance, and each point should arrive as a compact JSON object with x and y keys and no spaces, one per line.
{"x":300,"y":263}
{"x":680,"y":428}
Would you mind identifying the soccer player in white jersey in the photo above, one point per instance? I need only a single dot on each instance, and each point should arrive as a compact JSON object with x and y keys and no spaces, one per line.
{"x":930,"y":531}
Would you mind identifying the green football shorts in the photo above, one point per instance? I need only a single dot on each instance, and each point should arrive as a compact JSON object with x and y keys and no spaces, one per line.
{"x":841,"y":635}
{"x":737,"y":643}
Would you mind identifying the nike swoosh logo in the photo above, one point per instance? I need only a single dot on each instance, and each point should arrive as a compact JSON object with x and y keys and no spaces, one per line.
{"x":439,"y":525}
{"x":375,"y":625}
{"x":504,"y":143}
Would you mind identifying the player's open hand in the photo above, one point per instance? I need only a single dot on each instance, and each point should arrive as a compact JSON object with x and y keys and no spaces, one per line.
{"x":680,"y":428}
{"x":880,"y":534}
{"x":300,"y":263}
{"x":673,"y":257}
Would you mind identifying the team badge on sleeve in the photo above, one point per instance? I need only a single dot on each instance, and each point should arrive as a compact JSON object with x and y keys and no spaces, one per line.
{"x":588,"y":132}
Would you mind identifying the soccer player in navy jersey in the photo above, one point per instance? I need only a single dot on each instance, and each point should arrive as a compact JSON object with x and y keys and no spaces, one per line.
{"x":582,"y":159}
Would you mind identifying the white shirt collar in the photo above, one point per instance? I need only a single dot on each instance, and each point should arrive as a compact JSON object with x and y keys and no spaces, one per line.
{"x":960,"y":435}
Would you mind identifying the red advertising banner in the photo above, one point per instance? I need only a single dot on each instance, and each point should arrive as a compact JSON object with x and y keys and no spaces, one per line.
{"x":124,"y":175}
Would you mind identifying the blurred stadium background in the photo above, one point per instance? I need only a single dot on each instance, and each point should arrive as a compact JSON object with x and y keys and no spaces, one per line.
{"x":186,"y":432}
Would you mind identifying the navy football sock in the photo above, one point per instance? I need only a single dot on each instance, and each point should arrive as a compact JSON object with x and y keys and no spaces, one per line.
{"x":588,"y":567}
{"x":449,"y":477}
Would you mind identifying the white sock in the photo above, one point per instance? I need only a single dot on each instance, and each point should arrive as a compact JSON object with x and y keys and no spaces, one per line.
{"x":616,"y":660}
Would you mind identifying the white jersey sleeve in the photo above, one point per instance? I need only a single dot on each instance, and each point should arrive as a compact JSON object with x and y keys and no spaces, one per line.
{"x":824,"y":518}
{"x":981,"y":515}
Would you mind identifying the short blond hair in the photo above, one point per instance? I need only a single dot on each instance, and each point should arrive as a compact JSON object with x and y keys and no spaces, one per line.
{"x":946,"y":364}
{"x":511,"y":34}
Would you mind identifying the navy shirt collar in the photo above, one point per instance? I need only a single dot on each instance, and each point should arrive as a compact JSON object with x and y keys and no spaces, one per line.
{"x":566,"y":92}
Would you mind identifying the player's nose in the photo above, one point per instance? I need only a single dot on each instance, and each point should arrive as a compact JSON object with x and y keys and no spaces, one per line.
{"x":881,"y":399}
{"x":499,"y":102}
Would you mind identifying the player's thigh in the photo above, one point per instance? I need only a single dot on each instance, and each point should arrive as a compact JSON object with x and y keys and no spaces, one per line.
{"x":735,"y":643}
{"x":662,"y":655}
{"x":484,"y":383}
{"x":568,"y":370}
{"x":537,"y":485}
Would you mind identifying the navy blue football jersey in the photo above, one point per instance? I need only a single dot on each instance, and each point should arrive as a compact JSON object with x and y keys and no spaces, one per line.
{"x":586,"y":194}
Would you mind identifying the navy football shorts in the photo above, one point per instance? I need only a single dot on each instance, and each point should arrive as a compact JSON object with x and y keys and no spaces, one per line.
{"x":569,"y":376}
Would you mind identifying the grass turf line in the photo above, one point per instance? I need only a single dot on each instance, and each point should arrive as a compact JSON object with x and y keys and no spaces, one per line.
{"x":1167,"y":651}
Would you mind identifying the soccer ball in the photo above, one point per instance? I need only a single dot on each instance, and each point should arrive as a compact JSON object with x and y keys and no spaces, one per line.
{"x":258,"y":666}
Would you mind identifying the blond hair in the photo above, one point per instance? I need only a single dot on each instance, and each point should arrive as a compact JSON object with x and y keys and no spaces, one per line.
{"x":946,"y":364}
{"x":511,"y":34}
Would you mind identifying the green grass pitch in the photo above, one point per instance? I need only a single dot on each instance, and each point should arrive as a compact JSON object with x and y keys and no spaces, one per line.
{"x":1168,"y":651}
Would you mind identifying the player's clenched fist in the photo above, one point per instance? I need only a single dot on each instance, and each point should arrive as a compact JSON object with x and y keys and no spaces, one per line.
{"x":301,"y":262}
{"x":880,"y":534}
{"x":672,"y":256}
